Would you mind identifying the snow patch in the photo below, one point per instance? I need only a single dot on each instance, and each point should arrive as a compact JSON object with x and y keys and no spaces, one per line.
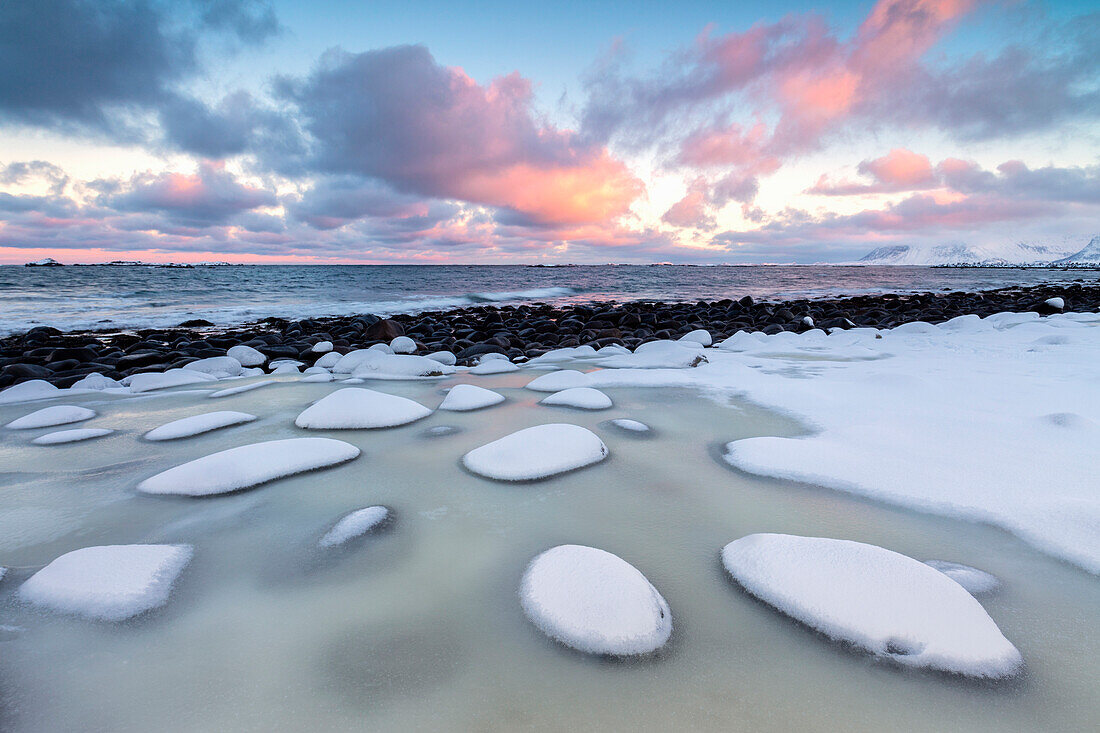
{"x":582,"y":398}
{"x":465,"y":397}
{"x":559,"y":380}
{"x":50,"y":416}
{"x":354,"y":525}
{"x":71,"y":436}
{"x":353,"y":408}
{"x":197,"y":424}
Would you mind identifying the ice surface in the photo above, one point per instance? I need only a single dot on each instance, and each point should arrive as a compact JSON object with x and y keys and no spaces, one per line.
{"x":33,"y":389}
{"x":631,"y":425}
{"x":50,"y":416}
{"x":559,"y":380}
{"x":149,"y":381}
{"x":583,"y":398}
{"x":196,"y":424}
{"x":494,"y":366}
{"x":354,"y":525}
{"x":230,"y":391}
{"x":71,"y":436}
{"x":974,"y":580}
{"x":246,"y":355}
{"x":537,"y":452}
{"x":595,"y":602}
{"x":403,"y":345}
{"x":241,"y":468}
{"x":880,"y":601}
{"x":216,"y":366}
{"x":465,"y":397}
{"x":355,"y":407}
{"x":108,"y":582}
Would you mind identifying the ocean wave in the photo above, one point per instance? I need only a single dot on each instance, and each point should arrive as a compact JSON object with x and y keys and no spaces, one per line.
{"x":534,"y":294}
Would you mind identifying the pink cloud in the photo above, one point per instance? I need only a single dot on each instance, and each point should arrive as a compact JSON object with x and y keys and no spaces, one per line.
{"x":898,"y":170}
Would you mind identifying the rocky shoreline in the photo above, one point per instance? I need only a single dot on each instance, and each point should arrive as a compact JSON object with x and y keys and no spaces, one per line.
{"x":520,"y":332}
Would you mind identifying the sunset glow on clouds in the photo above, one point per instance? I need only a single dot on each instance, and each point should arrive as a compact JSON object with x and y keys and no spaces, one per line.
{"x":778,"y":139}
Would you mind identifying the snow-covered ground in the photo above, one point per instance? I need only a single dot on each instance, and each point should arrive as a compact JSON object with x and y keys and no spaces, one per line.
{"x":948,"y":468}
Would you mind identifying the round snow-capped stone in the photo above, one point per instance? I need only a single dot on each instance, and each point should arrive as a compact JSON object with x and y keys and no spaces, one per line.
{"x":246,"y":355}
{"x":466,"y":397}
{"x":353,"y":408}
{"x":403,"y":345}
{"x":50,"y":416}
{"x":538,"y":452}
{"x":582,"y":398}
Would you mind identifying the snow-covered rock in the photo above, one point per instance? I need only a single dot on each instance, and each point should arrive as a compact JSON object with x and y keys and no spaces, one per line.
{"x":1055,"y":304}
{"x":329,"y":360}
{"x":216,"y":366}
{"x":559,"y":380}
{"x":975,"y":581}
{"x":880,"y":601}
{"x":33,"y":389}
{"x":246,"y":355}
{"x":196,"y":424}
{"x":633,"y":426}
{"x":354,"y":408}
{"x":537,"y":452}
{"x":403,"y":345}
{"x":401,"y":366}
{"x":96,"y":382}
{"x":699,"y":336}
{"x":466,"y":397}
{"x":242,"y":468}
{"x":354,"y":525}
{"x":149,"y":381}
{"x":108,"y":582}
{"x":50,"y":416}
{"x":318,"y":377}
{"x":444,"y":357}
{"x":582,"y":398}
{"x":659,"y":355}
{"x":494,"y":366}
{"x":71,"y":436}
{"x":241,"y":389}
{"x":595,"y":602}
{"x":321,"y":347}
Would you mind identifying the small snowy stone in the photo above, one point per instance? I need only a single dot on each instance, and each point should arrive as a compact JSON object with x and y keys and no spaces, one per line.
{"x":444,"y":357}
{"x":632,"y":425}
{"x":583,"y":398}
{"x":286,"y":367}
{"x":108,"y":582}
{"x":975,"y":581}
{"x":492,"y":356}
{"x":249,"y":465}
{"x":97,"y":382}
{"x":71,"y":436}
{"x":1056,"y":304}
{"x":321,"y":347}
{"x":595,"y":602}
{"x":354,"y":408}
{"x":230,"y":391}
{"x":465,"y":397}
{"x":808,"y":321}
{"x":247,"y":355}
{"x":34,"y":389}
{"x":699,"y":336}
{"x":216,"y":366}
{"x":880,"y":601}
{"x":354,"y":525}
{"x":494,"y":366}
{"x":316,"y":377}
{"x":149,"y":381}
{"x":50,"y":416}
{"x":403,"y":345}
{"x":535,"y":453}
{"x":197,"y":424}
{"x":557,"y":381}
{"x":329,"y":360}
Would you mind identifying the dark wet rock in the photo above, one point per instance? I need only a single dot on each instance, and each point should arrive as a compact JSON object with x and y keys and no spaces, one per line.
{"x":196,"y":323}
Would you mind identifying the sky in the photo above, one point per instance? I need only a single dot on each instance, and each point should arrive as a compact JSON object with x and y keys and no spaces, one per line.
{"x":282,"y":131}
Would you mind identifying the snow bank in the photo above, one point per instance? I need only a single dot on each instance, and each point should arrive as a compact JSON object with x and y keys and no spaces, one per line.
{"x":249,"y":465}
{"x":354,"y":525}
{"x":354,"y":408}
{"x":230,"y":391}
{"x":149,"y":381}
{"x":71,"y":436}
{"x":246,"y":355}
{"x":659,"y":355}
{"x":34,"y":389}
{"x":559,"y":380}
{"x":109,"y":582}
{"x":465,"y":397}
{"x":975,"y":581}
{"x":494,"y":366}
{"x":595,"y":602}
{"x":50,"y":416}
{"x":216,"y":366}
{"x":583,"y":398}
{"x":197,"y":424}
{"x":880,"y":601}
{"x":536,"y":453}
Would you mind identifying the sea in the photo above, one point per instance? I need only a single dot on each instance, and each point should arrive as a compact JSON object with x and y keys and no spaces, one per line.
{"x":106,"y":297}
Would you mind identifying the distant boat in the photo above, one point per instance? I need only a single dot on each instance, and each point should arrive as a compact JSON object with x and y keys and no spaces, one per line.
{"x":44,"y":262}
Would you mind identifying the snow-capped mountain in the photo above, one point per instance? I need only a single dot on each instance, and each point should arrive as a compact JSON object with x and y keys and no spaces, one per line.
{"x":1090,"y":255}
{"x":963,"y":254}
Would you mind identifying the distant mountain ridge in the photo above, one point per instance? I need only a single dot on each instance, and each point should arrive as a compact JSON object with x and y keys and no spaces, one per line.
{"x":963,"y":254}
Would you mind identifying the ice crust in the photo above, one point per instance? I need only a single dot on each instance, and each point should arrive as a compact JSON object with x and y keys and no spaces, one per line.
{"x":582,"y":398}
{"x":354,"y":525}
{"x":50,"y":416}
{"x":71,"y":436}
{"x":880,"y":601}
{"x":242,"y":468}
{"x":595,"y":602}
{"x":466,"y":397}
{"x":355,"y":408}
{"x":537,"y":452}
{"x":241,"y":389}
{"x":108,"y":582}
{"x":196,"y":424}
